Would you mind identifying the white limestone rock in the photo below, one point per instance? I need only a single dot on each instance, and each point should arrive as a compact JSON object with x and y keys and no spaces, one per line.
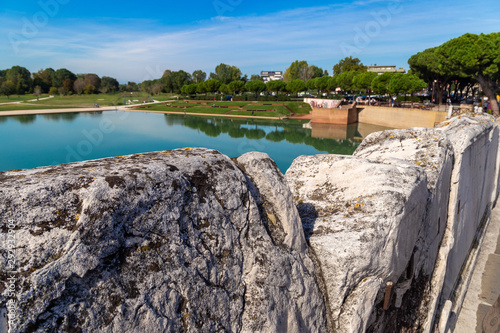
{"x":474,"y":183}
{"x":430,"y":150}
{"x":158,"y":242}
{"x":362,"y":219}
{"x":275,"y":192}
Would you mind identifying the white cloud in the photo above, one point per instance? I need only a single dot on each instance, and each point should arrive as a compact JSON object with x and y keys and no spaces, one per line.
{"x":138,"y":50}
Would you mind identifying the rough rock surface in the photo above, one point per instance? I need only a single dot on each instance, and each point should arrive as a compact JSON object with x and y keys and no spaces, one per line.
{"x":160,"y":242}
{"x":430,"y":150}
{"x":362,"y":219}
{"x":275,"y":192}
{"x":474,"y":178}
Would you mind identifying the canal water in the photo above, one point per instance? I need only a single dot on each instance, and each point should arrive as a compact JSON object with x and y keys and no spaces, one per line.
{"x":40,"y":140}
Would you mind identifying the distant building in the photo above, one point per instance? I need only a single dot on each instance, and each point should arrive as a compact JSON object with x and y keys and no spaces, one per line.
{"x":271,"y":75}
{"x":385,"y":69}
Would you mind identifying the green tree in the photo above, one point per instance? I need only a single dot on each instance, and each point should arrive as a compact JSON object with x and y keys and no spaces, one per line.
{"x":345,"y":80}
{"x":53,"y":91}
{"x":109,"y":85}
{"x":236,"y":86}
{"x":349,"y":64}
{"x":226,"y":73}
{"x":311,"y":84}
{"x":89,"y":89}
{"x":167,"y":81}
{"x":202,"y":87}
{"x":7,"y":88}
{"x":179,"y":79}
{"x":380,"y":83}
{"x":60,"y":75}
{"x":322,"y":84}
{"x":255,"y":86}
{"x":43,"y":78}
{"x":296,"y":86}
{"x":198,"y":76}
{"x":224,"y":89}
{"x":363,"y":81}
{"x":212,"y":85}
{"x":415,"y":85}
{"x":3,"y":76}
{"x":298,"y":70}
{"x":276,"y":86}
{"x":426,"y":65}
{"x":21,"y":78}
{"x":255,"y":77}
{"x":478,"y":56}
{"x":189,"y":89}
{"x":332,"y":83}
{"x":317,"y":71}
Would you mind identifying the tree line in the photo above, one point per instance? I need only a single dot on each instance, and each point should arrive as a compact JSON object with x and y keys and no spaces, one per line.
{"x":349,"y":76}
{"x":457,"y":67}
{"x":18,"y":80}
{"x":453,"y":70}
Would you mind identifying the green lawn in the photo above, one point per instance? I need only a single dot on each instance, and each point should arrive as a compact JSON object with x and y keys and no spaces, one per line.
{"x":16,"y":98}
{"x":118,"y":99}
{"x":195,"y":109}
{"x":277,"y":108}
{"x":255,"y":114}
{"x":82,"y":100}
{"x":299,"y":107}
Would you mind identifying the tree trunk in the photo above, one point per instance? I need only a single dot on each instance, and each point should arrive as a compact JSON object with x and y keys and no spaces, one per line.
{"x":440,"y":89}
{"x":490,"y":91}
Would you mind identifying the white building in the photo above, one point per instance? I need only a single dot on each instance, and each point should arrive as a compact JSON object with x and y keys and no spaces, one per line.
{"x":385,"y":69}
{"x":271,"y":75}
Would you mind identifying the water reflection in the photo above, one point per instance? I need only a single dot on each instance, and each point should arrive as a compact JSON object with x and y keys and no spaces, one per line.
{"x":26,"y":119}
{"x":61,"y":116}
{"x":336,"y":139}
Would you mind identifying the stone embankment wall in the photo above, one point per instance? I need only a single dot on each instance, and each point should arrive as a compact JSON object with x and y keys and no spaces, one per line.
{"x":399,"y":117}
{"x":190,"y":240}
{"x":393,"y":225}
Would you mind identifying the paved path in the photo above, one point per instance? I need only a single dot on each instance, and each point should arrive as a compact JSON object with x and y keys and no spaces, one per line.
{"x":484,"y":289}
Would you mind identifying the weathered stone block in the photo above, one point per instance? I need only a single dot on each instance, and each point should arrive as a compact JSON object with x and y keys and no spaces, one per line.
{"x":362,"y":219}
{"x":168,"y":241}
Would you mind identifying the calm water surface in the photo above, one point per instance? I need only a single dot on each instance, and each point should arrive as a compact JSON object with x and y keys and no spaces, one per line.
{"x":41,"y":140}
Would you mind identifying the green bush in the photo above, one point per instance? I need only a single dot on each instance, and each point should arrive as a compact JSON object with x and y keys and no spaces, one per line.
{"x":53,"y":91}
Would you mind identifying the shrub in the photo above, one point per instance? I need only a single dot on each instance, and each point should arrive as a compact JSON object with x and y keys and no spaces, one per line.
{"x":53,"y":91}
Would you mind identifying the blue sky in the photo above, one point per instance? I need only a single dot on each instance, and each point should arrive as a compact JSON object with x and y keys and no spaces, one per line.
{"x":138,"y":40}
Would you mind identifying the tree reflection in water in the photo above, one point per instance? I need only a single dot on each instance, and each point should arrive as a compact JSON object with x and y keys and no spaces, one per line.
{"x":273,"y":131}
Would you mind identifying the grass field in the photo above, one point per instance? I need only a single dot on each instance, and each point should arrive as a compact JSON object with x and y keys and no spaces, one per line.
{"x":257,"y":114}
{"x":82,"y":100}
{"x":176,"y":104}
{"x":16,"y":98}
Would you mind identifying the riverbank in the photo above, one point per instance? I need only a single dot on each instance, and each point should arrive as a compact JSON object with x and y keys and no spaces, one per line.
{"x":131,"y":108}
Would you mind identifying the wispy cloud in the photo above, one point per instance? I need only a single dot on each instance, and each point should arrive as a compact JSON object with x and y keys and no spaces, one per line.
{"x":141,"y":50}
